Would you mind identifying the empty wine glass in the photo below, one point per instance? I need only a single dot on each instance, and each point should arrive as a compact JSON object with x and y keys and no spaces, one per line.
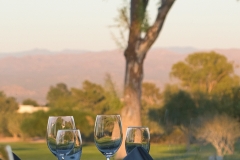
{"x":108,"y":134}
{"x":54,"y":124}
{"x":137,"y":136}
{"x":65,"y":141}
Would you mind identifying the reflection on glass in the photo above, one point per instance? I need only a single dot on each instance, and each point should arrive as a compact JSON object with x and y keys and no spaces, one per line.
{"x":76,"y":152}
{"x":56,"y":123}
{"x":108,"y":134}
{"x":64,"y":143}
{"x":137,"y":136}
{"x":6,"y":152}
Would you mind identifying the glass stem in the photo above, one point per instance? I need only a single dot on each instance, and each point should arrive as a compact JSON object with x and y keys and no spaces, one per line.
{"x":108,"y":158}
{"x":61,"y":157}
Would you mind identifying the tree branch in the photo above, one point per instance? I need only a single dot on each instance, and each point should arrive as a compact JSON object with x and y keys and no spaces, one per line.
{"x":155,"y":29}
{"x":138,"y":8}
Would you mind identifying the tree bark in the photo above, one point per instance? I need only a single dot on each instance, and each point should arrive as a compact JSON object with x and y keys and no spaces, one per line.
{"x":131,"y":113}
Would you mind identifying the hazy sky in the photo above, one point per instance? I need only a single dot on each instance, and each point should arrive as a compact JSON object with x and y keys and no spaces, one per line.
{"x":76,"y":24}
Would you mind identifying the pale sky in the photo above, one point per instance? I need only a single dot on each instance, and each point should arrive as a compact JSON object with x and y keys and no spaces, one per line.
{"x":56,"y":25}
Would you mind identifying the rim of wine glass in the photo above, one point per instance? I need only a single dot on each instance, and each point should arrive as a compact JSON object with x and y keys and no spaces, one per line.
{"x":108,"y":115}
{"x":69,"y":130}
{"x":53,"y":117}
{"x":60,"y":116}
{"x":49,"y":117}
{"x":138,"y":127}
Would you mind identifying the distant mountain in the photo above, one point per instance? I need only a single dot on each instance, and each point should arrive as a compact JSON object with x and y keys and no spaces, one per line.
{"x":38,"y":51}
{"x":183,"y":50}
{"x":31,"y":74}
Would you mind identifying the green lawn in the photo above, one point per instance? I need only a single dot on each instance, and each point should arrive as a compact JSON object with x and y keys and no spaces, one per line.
{"x":39,"y":151}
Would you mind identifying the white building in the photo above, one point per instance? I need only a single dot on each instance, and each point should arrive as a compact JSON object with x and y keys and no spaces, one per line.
{"x":30,"y":109}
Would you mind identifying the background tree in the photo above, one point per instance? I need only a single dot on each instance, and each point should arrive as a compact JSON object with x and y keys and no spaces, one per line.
{"x":221,"y":130}
{"x":180,"y":109}
{"x":34,"y":125}
{"x":30,"y":102}
{"x":206,"y":72}
{"x":231,"y":102}
{"x":208,"y":86}
{"x":14,"y":124}
{"x":211,"y":81}
{"x":84,"y":121}
{"x":151,"y":103}
{"x":82,"y":103}
{"x":150,"y":94}
{"x":113,"y":102}
{"x":59,"y":96}
{"x":8,"y":106}
{"x":90,"y":98}
{"x":96,"y":98}
{"x":140,"y":40}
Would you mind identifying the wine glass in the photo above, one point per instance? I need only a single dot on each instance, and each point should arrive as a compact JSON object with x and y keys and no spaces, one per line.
{"x":77,"y":150}
{"x":137,"y":136}
{"x":54,"y":124}
{"x":64,"y":142}
{"x":108,"y":134}
{"x":6,"y":152}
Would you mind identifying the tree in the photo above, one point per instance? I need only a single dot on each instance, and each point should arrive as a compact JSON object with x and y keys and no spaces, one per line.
{"x":97,"y":99}
{"x":180,"y":109}
{"x":89,"y":98}
{"x":113,"y":102}
{"x":14,"y":125}
{"x":8,"y":106}
{"x":30,"y":102}
{"x":209,"y":86}
{"x":211,"y":81}
{"x":151,"y":104}
{"x":140,"y":41}
{"x":150,"y":94}
{"x":59,"y":96}
{"x":34,"y":125}
{"x":221,"y":130}
{"x":206,"y":72}
{"x":231,"y":99}
{"x":84,"y":121}
{"x":92,"y":97}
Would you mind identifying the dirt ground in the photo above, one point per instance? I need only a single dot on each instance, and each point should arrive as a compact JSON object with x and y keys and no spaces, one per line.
{"x":12,"y":139}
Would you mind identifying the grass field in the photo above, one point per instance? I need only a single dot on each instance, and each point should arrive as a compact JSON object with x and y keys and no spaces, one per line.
{"x":39,"y":151}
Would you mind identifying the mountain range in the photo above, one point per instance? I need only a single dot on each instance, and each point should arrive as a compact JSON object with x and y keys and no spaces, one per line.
{"x":30,"y":74}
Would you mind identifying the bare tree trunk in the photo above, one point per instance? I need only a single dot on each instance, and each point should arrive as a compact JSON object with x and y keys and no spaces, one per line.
{"x":131,"y":113}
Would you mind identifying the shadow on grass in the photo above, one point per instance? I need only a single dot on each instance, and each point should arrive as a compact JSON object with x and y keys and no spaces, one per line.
{"x":179,"y":152}
{"x":196,"y":152}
